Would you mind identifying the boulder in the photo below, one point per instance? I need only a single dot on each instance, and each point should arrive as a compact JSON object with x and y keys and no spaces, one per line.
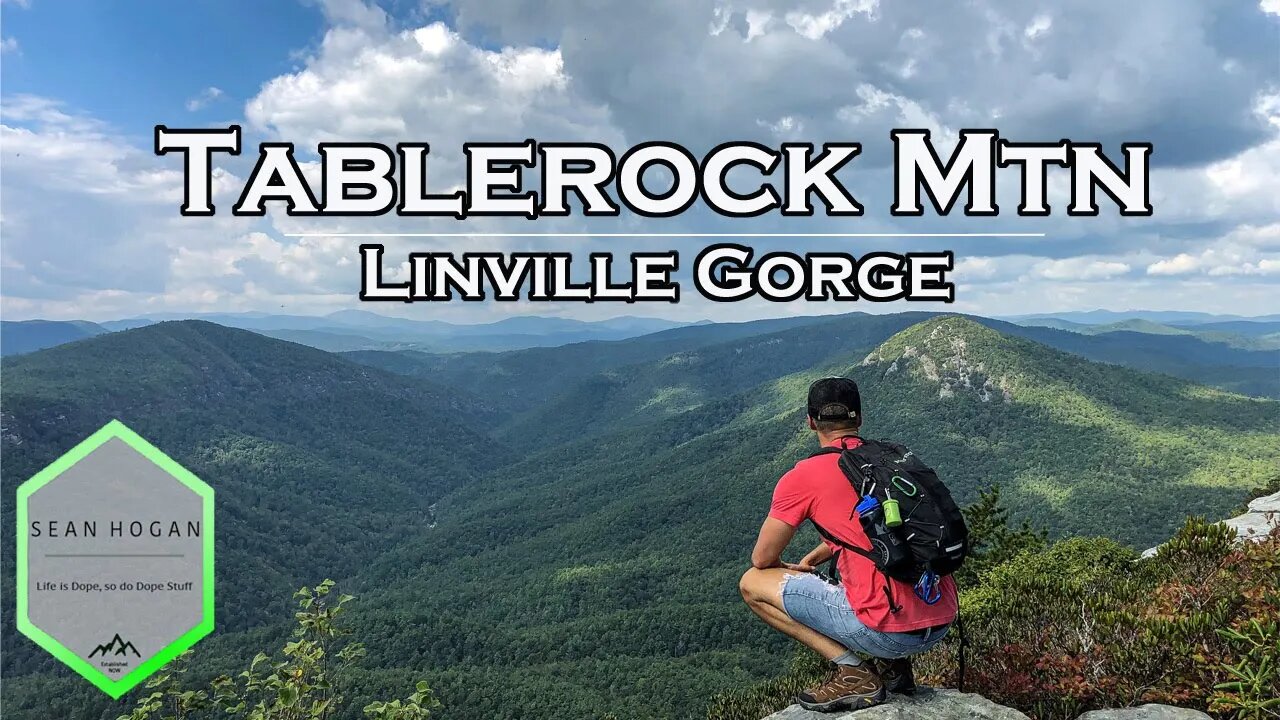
{"x":1262,"y":517}
{"x":1266,"y":504}
{"x":926,"y":704}
{"x":1146,"y":712}
{"x":1256,"y":524}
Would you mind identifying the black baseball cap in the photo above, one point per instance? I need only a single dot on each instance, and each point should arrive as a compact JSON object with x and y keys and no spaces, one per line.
{"x":834,"y":398}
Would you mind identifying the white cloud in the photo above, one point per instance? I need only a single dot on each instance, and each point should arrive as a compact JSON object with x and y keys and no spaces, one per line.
{"x":90,"y":218}
{"x":424,"y":83}
{"x":1079,"y":268}
{"x":66,"y":153}
{"x":85,"y":211}
{"x":1038,"y":26}
{"x":354,"y":13}
{"x":206,"y":96}
{"x":1245,"y":251}
{"x":1043,"y":73}
{"x":973,"y":270}
{"x":816,"y":25}
{"x":256,"y":258}
{"x":977,"y":268}
{"x":1264,"y":266}
{"x":1179,"y":264}
{"x":9,"y":45}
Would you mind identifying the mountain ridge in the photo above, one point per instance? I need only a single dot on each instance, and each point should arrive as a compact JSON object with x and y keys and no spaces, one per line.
{"x":23,"y":336}
{"x":645,"y":525}
{"x":604,"y":561}
{"x":316,"y":459}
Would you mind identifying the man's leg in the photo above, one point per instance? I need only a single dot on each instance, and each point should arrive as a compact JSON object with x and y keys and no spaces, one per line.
{"x":852,"y":685}
{"x":762,"y":591}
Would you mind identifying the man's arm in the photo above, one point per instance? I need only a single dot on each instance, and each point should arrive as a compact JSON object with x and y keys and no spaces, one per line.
{"x":775,"y":535}
{"x":818,"y":555}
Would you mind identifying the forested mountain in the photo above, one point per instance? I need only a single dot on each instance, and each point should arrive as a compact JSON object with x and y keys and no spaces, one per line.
{"x":1168,"y":317}
{"x":592,"y":514}
{"x":1256,"y":334}
{"x":353,"y":330}
{"x":516,"y":381}
{"x":1081,"y":447}
{"x":1248,"y":328}
{"x":1194,"y":357}
{"x":1240,"y":356}
{"x":317,"y":462}
{"x":24,"y":336}
{"x":349,"y":330}
{"x":519,"y":380}
{"x":605,"y":568}
{"x":634,"y":395}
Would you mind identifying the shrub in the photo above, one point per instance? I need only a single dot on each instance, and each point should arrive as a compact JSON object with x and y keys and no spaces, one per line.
{"x":305,"y":684}
{"x":1085,"y":624}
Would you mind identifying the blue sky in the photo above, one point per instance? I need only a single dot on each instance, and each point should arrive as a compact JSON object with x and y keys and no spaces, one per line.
{"x":138,"y":67}
{"x":88,"y":215}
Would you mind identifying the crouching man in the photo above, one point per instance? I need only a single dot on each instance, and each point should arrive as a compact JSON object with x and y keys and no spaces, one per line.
{"x":865,"y":612}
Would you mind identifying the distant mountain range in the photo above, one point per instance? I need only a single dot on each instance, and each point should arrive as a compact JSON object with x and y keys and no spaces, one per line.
{"x":1176,"y":317}
{"x":356,"y":330}
{"x":24,"y":336}
{"x":534,"y":375}
{"x":1244,"y":334}
{"x":1238,"y":355}
{"x":349,"y":330}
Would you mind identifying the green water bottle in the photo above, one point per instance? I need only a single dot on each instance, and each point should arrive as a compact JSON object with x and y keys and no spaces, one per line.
{"x":892,"y":514}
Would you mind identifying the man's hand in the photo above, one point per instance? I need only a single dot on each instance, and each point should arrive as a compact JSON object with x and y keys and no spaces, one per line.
{"x":817,"y":556}
{"x":801,"y":566}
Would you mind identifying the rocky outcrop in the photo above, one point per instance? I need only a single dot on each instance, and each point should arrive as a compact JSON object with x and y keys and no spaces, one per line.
{"x":1146,"y":712}
{"x":926,"y":704}
{"x":942,"y":356}
{"x":930,"y":704}
{"x":1262,"y":517}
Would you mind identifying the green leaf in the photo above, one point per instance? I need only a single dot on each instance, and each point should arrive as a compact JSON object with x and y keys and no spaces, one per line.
{"x":288,"y":695}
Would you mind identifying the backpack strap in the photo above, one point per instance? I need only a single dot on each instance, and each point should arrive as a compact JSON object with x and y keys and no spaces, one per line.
{"x":840,"y":543}
{"x":836,"y":449}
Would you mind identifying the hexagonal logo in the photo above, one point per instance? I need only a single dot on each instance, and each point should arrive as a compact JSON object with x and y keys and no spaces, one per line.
{"x":115,"y":559}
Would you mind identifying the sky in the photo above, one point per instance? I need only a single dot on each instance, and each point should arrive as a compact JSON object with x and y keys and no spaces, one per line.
{"x":89,"y":222}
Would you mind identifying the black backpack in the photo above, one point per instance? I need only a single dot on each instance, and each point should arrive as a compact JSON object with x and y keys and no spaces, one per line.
{"x":932,"y":540}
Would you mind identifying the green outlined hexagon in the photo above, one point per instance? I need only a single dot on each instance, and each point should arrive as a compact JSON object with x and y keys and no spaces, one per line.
{"x":200,"y":604}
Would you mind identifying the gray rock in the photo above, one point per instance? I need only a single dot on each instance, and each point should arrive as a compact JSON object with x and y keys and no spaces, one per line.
{"x":1262,"y":518}
{"x":1254,"y":525}
{"x":1257,"y":524}
{"x":1266,"y":504}
{"x":926,"y":704}
{"x":1146,"y":712}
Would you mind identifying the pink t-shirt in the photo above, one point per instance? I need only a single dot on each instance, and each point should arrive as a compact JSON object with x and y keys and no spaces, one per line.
{"x":817,"y":489}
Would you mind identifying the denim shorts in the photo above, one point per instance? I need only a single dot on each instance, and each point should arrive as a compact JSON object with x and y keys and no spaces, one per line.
{"x":822,"y":606}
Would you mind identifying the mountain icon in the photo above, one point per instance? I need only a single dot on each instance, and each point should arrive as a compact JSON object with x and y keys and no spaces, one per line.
{"x":117,"y":646}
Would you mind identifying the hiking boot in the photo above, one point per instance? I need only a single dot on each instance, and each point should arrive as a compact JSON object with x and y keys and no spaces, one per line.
{"x":850,"y":687}
{"x":897,"y":675}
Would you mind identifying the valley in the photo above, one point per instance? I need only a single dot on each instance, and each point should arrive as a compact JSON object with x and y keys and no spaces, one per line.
{"x":582,"y":513}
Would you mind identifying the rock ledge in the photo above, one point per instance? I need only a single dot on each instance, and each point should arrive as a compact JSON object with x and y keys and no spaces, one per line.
{"x":926,"y":704}
{"x":1256,"y":524}
{"x":932,"y":704}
